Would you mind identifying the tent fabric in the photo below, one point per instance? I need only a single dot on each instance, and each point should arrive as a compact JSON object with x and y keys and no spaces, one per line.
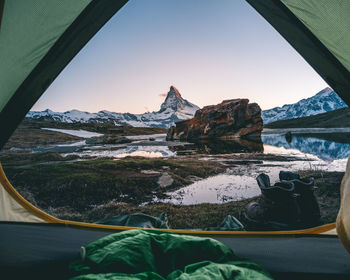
{"x":137,"y":220}
{"x":150,"y":254}
{"x":11,"y":210}
{"x":44,"y":251}
{"x":343,"y":219}
{"x":329,"y":21}
{"x":28,"y":31}
{"x":318,"y":30}
{"x":78,"y":22}
{"x":36,"y":48}
{"x":13,"y":207}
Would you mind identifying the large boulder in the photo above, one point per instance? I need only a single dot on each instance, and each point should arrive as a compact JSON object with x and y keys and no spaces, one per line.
{"x":230,"y":119}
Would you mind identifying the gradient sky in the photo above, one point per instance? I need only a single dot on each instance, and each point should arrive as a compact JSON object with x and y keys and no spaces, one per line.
{"x":210,"y":50}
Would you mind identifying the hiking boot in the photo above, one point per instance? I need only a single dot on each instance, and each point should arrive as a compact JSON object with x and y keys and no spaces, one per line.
{"x":277,"y":207}
{"x":310,"y":210}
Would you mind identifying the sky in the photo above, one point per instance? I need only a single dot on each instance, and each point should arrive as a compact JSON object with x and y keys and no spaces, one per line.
{"x":209,"y":50}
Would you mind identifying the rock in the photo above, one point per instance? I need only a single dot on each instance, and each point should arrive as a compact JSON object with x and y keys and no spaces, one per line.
{"x":107,"y":139}
{"x":165,"y":180}
{"x":230,"y":119}
{"x":288,"y":136}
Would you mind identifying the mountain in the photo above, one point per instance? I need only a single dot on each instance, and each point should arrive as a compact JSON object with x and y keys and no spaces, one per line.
{"x":324,"y":101}
{"x":336,"y":118}
{"x":173,"y":109}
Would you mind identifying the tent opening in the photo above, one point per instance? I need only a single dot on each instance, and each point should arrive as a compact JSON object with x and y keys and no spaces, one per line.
{"x":184,"y":116}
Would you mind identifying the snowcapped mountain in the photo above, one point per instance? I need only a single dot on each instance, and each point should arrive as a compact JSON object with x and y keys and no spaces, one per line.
{"x":324,"y":101}
{"x":173,"y":109}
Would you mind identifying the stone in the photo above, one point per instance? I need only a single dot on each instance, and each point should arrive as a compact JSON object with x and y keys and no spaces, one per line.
{"x":165,"y":180}
{"x":231,"y":119}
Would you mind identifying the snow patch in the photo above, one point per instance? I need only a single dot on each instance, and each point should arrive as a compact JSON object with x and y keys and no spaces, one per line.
{"x":80,"y":133}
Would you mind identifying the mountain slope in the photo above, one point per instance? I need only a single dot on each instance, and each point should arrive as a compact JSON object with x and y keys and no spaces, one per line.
{"x":336,"y":118}
{"x":324,"y":101}
{"x":173,"y":109}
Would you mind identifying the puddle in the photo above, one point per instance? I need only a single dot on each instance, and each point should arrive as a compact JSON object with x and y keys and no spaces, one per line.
{"x":240,"y":183}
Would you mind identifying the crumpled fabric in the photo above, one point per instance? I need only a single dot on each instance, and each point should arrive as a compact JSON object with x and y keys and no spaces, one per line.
{"x":152,"y":254}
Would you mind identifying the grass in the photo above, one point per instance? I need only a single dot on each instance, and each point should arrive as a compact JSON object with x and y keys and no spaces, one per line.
{"x":95,"y":189}
{"x":198,"y":216}
{"x":29,"y":133}
{"x":97,"y":182}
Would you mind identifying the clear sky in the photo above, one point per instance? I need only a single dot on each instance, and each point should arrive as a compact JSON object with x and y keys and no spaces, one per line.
{"x":210,"y":50}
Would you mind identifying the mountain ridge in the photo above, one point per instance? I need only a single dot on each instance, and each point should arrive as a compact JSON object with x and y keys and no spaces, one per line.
{"x":173,"y":109}
{"x":331,"y":119}
{"x":324,"y":101}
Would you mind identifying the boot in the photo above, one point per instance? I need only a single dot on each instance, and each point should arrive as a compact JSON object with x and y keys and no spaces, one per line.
{"x":310,"y":210}
{"x":276,"y":209}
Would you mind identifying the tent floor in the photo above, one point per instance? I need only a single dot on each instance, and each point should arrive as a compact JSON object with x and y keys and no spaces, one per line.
{"x":36,"y":251}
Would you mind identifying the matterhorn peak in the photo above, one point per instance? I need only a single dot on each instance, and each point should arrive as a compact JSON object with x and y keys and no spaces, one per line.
{"x":174,"y":91}
{"x":178,"y":106}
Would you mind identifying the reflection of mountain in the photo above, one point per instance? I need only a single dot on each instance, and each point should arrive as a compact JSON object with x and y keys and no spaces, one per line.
{"x":323,"y":149}
{"x":220,"y":147}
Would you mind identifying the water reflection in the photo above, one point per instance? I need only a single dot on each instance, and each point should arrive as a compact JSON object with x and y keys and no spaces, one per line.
{"x":215,"y":147}
{"x":310,"y":144}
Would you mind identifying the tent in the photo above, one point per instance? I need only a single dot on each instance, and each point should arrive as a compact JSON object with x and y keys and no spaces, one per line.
{"x":38,"y":38}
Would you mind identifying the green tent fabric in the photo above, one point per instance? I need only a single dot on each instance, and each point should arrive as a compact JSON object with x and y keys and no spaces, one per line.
{"x":38,"y":38}
{"x":151,"y":254}
{"x":30,"y":28}
{"x":137,"y":220}
{"x":229,"y":223}
{"x":329,"y":21}
{"x":319,"y":31}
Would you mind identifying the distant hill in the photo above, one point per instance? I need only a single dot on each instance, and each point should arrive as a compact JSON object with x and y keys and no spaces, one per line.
{"x":324,"y":101}
{"x":336,"y":118}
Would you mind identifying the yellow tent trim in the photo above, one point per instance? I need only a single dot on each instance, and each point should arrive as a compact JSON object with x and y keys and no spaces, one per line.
{"x":44,"y":217}
{"x":30,"y":208}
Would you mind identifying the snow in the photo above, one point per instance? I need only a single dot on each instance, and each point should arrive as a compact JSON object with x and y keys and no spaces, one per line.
{"x":79,"y":133}
{"x":131,"y":151}
{"x":173,"y":109}
{"x":324,"y":101}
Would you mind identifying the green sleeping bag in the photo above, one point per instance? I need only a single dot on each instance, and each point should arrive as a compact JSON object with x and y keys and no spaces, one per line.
{"x":152,"y":254}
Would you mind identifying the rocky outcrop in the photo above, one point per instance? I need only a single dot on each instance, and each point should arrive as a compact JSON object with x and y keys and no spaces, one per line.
{"x":230,"y":119}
